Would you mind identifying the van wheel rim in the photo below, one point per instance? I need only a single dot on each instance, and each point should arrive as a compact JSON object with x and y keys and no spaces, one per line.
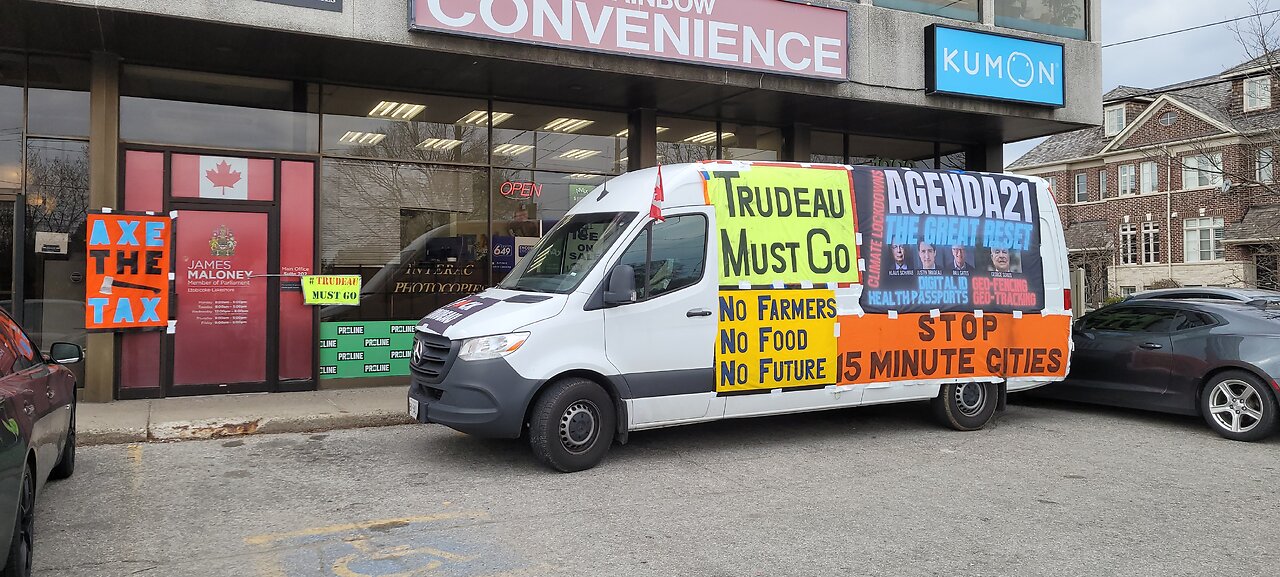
{"x":1236,"y":406}
{"x":578,"y":426}
{"x":971,"y":398}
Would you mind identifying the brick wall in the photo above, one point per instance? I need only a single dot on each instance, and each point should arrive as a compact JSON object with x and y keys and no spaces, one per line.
{"x":1185,"y":127}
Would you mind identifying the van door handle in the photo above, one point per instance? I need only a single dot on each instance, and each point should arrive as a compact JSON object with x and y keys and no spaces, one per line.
{"x":1151,"y":346}
{"x":48,"y":393}
{"x":698,"y":313}
{"x":29,"y":409}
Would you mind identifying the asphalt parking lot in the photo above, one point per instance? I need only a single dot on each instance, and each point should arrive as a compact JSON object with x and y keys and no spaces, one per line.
{"x":1051,"y":489}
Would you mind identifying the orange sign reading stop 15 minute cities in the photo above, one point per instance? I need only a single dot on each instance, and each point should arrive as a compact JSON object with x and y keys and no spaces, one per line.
{"x":127,"y":276}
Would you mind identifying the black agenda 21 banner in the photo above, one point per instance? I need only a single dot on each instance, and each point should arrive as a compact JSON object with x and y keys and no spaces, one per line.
{"x":948,"y":240}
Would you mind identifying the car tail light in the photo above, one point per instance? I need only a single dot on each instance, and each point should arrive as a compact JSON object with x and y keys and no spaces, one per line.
{"x":1066,"y":299}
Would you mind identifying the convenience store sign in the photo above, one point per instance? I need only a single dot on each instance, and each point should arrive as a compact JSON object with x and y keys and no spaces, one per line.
{"x":365,"y":349}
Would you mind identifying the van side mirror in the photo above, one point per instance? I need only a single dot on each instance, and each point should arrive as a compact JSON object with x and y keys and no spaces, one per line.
{"x":620,"y":288}
{"x":66,"y":353}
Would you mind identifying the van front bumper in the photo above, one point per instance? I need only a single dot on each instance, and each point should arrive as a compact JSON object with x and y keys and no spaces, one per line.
{"x":483,"y":398}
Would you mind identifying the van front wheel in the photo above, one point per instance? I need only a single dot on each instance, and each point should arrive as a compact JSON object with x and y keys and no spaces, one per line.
{"x":571,"y":425}
{"x":966,"y":406}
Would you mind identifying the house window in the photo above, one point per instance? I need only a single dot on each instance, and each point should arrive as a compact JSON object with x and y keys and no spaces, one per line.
{"x":1150,"y":177}
{"x":1257,"y":93}
{"x":1128,"y":291}
{"x":1128,"y":243}
{"x":1168,"y":118}
{"x":1202,"y":170}
{"x":1053,"y":183}
{"x":1202,"y":239}
{"x":1126,"y":179}
{"x":1150,"y":243}
{"x":1264,"y":165}
{"x":1082,"y":188}
{"x":1113,"y":120}
{"x":1102,"y":183}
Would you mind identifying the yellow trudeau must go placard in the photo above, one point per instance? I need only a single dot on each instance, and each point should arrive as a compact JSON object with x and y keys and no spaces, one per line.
{"x":788,"y":224}
{"x":331,"y":289}
{"x":775,"y":339}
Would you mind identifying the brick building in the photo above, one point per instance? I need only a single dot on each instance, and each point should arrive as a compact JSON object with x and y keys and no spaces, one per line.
{"x":1177,"y":184}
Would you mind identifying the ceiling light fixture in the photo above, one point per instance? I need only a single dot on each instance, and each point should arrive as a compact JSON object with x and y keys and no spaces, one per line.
{"x":439,"y":144}
{"x":579,"y":154}
{"x":512,"y":149}
{"x":708,"y":137}
{"x":584,"y":176}
{"x":362,"y":138}
{"x":481,"y":118}
{"x":567,"y":125}
{"x":626,"y":131}
{"x":396,"y":110}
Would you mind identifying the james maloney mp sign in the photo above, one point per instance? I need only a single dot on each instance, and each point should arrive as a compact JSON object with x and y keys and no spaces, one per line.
{"x":983,"y":65}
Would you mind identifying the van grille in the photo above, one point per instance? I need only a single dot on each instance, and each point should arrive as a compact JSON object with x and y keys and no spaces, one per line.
{"x":437,"y":355}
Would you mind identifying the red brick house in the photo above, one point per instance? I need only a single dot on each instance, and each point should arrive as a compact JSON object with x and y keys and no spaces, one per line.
{"x":1177,"y":184}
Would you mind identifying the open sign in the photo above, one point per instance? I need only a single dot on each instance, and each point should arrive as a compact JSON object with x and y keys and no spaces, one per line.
{"x":516,"y":189}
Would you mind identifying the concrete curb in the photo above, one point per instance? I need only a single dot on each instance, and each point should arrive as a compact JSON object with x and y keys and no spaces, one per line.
{"x":222,"y":428}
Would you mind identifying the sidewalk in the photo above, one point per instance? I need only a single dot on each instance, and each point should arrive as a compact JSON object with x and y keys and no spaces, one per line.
{"x":184,"y":418}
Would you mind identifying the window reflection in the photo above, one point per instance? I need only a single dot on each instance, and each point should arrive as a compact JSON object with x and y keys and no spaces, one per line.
{"x":550,"y":138}
{"x":58,"y":97}
{"x":401,"y":126}
{"x":1056,"y":17}
{"x":686,"y":140}
{"x":57,"y":202}
{"x":958,"y":9}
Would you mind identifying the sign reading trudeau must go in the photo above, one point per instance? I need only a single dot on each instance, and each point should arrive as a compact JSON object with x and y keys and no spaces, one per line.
{"x":761,"y":35}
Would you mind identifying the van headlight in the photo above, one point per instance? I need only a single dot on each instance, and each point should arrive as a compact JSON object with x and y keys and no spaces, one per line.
{"x":491,"y":347}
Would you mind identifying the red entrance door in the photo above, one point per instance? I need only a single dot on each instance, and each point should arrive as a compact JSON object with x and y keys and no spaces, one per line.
{"x":244,"y":235}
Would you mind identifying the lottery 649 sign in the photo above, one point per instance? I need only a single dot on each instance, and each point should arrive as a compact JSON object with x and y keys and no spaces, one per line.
{"x":127,"y":276}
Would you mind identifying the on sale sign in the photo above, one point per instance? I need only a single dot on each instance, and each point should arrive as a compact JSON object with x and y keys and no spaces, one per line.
{"x":127,"y":276}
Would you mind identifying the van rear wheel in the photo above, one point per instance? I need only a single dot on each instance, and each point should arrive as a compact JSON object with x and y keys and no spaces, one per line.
{"x":571,"y":426}
{"x":966,"y":406}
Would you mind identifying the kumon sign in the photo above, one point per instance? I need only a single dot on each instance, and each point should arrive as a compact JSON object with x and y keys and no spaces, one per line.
{"x":776,"y":36}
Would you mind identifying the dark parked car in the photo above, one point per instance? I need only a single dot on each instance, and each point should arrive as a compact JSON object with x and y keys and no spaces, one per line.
{"x":1216,"y":293}
{"x":38,"y":436}
{"x":1214,"y":358}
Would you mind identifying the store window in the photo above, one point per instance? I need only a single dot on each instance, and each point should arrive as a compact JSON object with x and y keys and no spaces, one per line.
{"x":58,"y":97}
{"x":1057,"y":17}
{"x":417,"y":234}
{"x":751,"y":143}
{"x":549,"y":138}
{"x":685,"y":140}
{"x":178,"y":107}
{"x":12,"y":70}
{"x":828,"y":147}
{"x":958,"y":9}
{"x":1202,"y":239}
{"x":367,"y":123}
{"x":57,"y":201}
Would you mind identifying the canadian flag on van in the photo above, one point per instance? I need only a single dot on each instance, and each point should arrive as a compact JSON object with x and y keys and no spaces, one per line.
{"x":223,"y":177}
{"x":655,"y":209}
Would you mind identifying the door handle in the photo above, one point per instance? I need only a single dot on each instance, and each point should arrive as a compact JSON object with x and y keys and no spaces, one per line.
{"x":1151,"y":346}
{"x":48,"y":393}
{"x":698,"y":313}
{"x":29,"y":409}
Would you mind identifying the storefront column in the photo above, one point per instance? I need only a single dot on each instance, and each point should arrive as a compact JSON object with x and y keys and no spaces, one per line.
{"x":642,"y":139}
{"x":104,"y":164}
{"x":987,"y":157}
{"x":797,"y":143}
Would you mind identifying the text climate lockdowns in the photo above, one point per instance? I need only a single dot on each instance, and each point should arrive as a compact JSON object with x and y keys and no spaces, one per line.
{"x":803,"y":304}
{"x":950,"y":241}
{"x":787,"y":241}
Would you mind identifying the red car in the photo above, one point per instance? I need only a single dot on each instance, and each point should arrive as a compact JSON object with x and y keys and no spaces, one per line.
{"x":37,"y":434}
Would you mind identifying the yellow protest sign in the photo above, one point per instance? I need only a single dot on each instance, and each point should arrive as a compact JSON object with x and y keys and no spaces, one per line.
{"x":784,"y":224}
{"x":331,"y":289}
{"x":773,"y":339}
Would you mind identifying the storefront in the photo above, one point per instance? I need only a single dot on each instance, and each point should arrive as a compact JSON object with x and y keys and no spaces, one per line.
{"x":426,"y":156}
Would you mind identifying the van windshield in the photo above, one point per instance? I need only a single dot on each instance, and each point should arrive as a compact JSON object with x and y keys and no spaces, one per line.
{"x":566,"y":254}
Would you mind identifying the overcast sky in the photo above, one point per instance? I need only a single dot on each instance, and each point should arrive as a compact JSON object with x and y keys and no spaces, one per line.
{"x":1162,"y":61}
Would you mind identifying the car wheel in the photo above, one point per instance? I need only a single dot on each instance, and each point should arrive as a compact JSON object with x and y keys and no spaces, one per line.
{"x":571,"y":425}
{"x":966,"y":406}
{"x":1239,"y":406}
{"x":18,"y":563}
{"x":67,"y":459}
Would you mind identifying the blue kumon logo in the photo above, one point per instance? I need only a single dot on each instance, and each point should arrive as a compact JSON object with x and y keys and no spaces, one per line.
{"x":969,"y":63}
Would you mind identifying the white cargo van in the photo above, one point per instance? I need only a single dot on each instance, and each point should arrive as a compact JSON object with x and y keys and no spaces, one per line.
{"x":765,"y":288}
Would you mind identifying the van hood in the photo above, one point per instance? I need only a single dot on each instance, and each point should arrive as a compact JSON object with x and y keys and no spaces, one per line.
{"x":492,"y":312}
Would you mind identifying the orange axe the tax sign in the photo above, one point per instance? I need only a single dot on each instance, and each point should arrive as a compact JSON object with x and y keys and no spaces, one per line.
{"x":108,"y":283}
